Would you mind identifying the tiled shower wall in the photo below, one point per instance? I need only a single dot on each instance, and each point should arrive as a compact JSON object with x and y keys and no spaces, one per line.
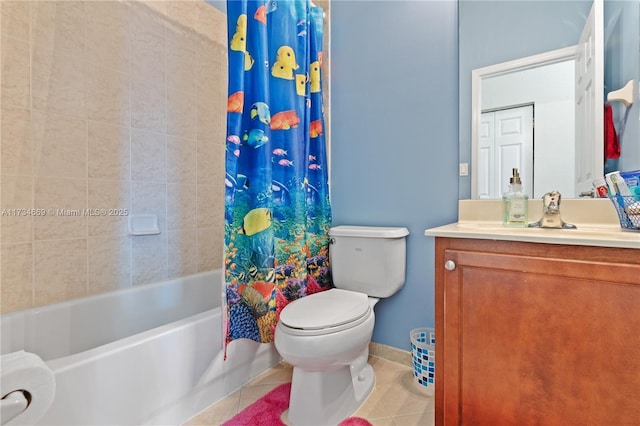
{"x":109,"y":105}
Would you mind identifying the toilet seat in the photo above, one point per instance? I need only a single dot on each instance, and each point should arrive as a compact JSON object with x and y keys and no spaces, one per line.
{"x":325,"y":312}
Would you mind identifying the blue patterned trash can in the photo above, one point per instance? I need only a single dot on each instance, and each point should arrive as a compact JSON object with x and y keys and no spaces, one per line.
{"x":423,"y":353}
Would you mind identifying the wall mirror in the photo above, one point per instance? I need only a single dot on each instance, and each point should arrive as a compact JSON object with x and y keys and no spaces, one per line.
{"x":506,"y":100}
{"x":504,"y":74}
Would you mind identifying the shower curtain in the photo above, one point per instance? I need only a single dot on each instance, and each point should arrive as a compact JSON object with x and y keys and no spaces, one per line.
{"x":277,"y":211}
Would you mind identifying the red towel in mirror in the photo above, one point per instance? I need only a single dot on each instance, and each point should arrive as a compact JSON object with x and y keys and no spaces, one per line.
{"x":611,"y":144}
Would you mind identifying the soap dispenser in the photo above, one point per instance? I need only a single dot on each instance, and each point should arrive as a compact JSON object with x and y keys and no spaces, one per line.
{"x":515,"y":203}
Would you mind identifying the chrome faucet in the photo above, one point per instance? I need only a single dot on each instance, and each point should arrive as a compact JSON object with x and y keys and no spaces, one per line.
{"x":551,"y":213}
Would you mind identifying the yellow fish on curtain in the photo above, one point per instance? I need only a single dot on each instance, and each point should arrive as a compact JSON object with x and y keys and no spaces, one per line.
{"x":277,"y":210}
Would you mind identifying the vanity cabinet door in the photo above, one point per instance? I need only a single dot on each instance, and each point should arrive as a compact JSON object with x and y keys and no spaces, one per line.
{"x":536,"y":334}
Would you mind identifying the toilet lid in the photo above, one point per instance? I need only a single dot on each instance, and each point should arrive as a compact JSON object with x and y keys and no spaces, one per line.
{"x":325,"y":309}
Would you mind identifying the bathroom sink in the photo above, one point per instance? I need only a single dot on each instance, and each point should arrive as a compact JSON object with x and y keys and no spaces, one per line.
{"x":584,"y":229}
{"x":587,"y":230}
{"x":605,"y":235}
{"x":596,"y":220}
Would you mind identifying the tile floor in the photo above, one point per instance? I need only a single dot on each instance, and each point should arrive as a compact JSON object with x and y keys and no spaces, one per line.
{"x":395,"y":400}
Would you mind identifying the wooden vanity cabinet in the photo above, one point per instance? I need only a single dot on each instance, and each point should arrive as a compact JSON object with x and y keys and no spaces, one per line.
{"x":536,"y":334}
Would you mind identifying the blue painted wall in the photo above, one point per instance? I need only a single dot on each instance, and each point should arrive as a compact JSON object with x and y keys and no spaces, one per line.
{"x":394,"y":136}
{"x":532,"y":26}
{"x":621,"y":64}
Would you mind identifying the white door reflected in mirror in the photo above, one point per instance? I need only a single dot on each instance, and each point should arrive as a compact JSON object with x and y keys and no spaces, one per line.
{"x":506,"y":142}
{"x":589,"y":84}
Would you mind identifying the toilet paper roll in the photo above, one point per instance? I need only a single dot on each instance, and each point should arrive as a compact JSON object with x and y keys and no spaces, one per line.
{"x":27,"y":372}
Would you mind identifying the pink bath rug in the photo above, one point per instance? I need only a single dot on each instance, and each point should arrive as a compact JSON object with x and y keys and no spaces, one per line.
{"x":267,"y":411}
{"x":355,"y":421}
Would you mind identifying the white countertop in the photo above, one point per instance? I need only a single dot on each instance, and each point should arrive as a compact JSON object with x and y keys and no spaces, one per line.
{"x":596,"y":220}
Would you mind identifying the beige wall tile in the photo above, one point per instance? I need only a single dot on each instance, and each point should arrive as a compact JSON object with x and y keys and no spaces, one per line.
{"x":60,"y":270}
{"x":218,"y":244}
{"x":111,"y":198}
{"x":64,"y":200}
{"x":15,"y":143}
{"x":181,"y":67}
{"x":210,"y":199}
{"x":16,"y":194}
{"x":181,"y":206}
{"x":16,"y":277}
{"x":181,"y":160}
{"x":108,"y":34}
{"x":150,"y":198}
{"x":208,"y":160}
{"x":210,"y":242}
{"x":109,"y":151}
{"x":16,"y":88}
{"x":211,"y":162}
{"x":58,"y":81}
{"x":182,"y":253}
{"x":148,"y":17}
{"x":211,"y":89}
{"x":181,"y":114}
{"x":206,"y":119}
{"x":148,"y":106}
{"x":211,"y":23}
{"x":220,"y":120}
{"x":98,"y":78}
{"x":212,"y":57}
{"x":181,"y":22}
{"x":148,"y":57}
{"x":107,"y":95}
{"x":148,"y":156}
{"x":60,"y":145}
{"x":109,"y":260}
{"x":58,"y":25}
{"x":211,"y":74}
{"x":218,"y":166}
{"x":149,"y":259}
{"x":14,"y":16}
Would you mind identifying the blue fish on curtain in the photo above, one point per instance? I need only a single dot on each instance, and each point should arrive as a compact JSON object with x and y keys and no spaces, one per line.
{"x":277,"y":210}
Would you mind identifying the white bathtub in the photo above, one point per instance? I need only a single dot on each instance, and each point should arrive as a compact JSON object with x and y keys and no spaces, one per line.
{"x":151,"y":355}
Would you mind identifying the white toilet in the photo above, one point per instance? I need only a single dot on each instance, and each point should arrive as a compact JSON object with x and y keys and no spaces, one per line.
{"x":325,"y":336}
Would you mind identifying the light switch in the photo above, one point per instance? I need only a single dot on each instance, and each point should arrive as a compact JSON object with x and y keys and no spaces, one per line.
{"x":464,"y":169}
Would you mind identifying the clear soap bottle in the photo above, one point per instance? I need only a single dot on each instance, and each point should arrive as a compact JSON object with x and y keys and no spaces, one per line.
{"x":515,"y":203}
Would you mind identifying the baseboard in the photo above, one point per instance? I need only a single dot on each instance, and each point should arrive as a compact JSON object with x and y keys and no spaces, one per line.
{"x":390,"y":353}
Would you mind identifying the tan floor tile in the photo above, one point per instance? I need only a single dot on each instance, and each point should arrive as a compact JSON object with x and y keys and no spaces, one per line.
{"x":395,"y":400}
{"x":250,"y":394}
{"x":388,"y":371}
{"x":284,"y":417}
{"x":404,"y":398}
{"x":384,"y":421}
{"x":421,"y":419}
{"x":373,"y":406}
{"x":218,"y":412}
{"x":280,"y":373}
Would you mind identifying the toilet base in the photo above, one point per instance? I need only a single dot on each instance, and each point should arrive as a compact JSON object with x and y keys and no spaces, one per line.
{"x":323,"y":398}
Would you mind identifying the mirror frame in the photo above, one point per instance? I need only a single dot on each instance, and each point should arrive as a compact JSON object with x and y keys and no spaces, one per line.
{"x":546,"y":58}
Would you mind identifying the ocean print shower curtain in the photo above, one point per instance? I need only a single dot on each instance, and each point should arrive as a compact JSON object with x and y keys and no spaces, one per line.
{"x":277,"y":211}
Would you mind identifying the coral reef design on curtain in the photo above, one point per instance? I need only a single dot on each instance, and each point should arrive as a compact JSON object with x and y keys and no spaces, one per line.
{"x":277,"y":211}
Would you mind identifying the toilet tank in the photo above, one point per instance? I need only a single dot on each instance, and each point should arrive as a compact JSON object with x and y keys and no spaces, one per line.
{"x":368,"y":259}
